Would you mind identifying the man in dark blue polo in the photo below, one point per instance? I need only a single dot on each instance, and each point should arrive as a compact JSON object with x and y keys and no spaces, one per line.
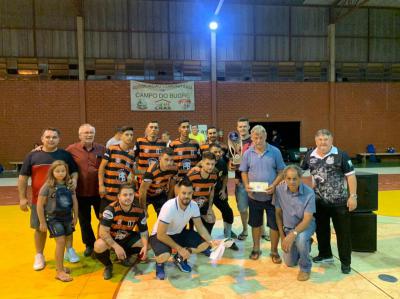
{"x":262,"y":163}
{"x":294,"y":208}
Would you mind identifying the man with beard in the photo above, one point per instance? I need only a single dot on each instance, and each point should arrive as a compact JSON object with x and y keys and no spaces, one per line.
{"x":186,"y":150}
{"x":36,"y":166}
{"x":118,"y":230}
{"x":212,"y":138}
{"x":169,"y":231}
{"x":158,"y":182}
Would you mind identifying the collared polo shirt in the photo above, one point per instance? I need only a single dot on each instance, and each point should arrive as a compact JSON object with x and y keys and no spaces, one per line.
{"x":262,"y":167}
{"x":294,"y":205}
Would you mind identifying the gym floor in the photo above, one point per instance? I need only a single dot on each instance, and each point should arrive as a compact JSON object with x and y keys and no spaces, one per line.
{"x":374,"y":275}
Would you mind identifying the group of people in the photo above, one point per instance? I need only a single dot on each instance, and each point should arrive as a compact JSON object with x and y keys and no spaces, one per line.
{"x":183,"y":179}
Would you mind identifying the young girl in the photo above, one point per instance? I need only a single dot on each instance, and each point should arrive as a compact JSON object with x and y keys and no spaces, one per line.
{"x":56,"y":202}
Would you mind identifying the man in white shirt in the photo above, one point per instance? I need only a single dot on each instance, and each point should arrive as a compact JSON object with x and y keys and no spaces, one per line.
{"x":169,"y":231}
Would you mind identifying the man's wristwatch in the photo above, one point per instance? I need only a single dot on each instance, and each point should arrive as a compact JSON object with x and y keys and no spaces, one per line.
{"x":295,"y":233}
{"x":353,"y":196}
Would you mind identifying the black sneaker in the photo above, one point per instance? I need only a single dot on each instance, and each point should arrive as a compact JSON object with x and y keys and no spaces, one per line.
{"x":234,"y":247}
{"x":88,"y":251}
{"x":107,"y":274}
{"x":126,"y":262}
{"x":346,"y":269}
{"x":323,"y":260}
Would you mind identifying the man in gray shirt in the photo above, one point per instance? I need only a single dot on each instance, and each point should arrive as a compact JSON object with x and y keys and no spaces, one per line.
{"x":294,"y":208}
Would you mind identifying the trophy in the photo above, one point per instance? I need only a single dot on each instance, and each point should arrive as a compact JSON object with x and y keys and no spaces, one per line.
{"x":235,"y":147}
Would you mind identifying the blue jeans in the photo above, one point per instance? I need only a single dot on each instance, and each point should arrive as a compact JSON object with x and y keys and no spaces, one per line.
{"x":300,"y":251}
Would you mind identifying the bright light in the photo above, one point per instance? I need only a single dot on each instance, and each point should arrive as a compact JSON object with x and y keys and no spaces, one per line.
{"x":213,"y":25}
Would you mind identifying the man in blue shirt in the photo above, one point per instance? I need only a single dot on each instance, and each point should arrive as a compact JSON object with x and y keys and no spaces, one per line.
{"x":262,"y":163}
{"x":294,"y":208}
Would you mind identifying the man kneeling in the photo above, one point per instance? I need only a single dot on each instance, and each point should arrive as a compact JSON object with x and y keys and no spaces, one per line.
{"x":117,"y":230}
{"x":169,"y":231}
{"x":294,"y":209}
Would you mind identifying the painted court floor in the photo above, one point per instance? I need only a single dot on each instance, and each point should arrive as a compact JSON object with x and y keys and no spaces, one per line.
{"x":374,"y":275}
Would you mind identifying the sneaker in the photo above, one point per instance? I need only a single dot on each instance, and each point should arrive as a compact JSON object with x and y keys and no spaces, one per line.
{"x":160,"y":272}
{"x":71,"y":256}
{"x":127,"y":262}
{"x":88,"y":251}
{"x":107,"y":274}
{"x":39,"y":263}
{"x":207,"y":252}
{"x":322,"y":260}
{"x":303,"y":276}
{"x":181,"y":264}
{"x":233,"y":235}
{"x":234,"y":247}
{"x":345,"y":269}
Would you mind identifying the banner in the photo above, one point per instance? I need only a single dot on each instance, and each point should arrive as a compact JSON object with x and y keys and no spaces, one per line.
{"x":162,"y":97}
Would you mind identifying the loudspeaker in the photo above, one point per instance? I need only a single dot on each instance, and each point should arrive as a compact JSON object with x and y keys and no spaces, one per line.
{"x":363,"y":232}
{"x":367,"y":192}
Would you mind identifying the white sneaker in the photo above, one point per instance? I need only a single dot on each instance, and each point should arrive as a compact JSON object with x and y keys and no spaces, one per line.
{"x":39,"y":263}
{"x":71,"y":256}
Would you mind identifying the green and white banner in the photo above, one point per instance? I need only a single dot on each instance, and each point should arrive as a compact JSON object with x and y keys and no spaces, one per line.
{"x":162,"y":97}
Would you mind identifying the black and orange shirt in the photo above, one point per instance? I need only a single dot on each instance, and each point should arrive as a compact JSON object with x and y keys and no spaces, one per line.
{"x":119,"y":165}
{"x":148,"y":152}
{"x":186,"y":155}
{"x":123,"y":224}
{"x":159,"y":179}
{"x":202,"y":189}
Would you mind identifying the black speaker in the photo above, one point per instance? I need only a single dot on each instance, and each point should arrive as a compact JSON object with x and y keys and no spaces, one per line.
{"x":367,"y":192}
{"x":363,"y":232}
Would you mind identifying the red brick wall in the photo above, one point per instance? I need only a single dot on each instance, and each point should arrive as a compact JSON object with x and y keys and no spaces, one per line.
{"x":364,"y":113}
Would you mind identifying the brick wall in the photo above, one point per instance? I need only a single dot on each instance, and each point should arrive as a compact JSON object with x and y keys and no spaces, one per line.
{"x":364,"y":113}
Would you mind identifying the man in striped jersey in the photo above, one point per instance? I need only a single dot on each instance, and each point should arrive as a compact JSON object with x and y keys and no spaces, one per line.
{"x":117,"y":230}
{"x":158,"y":182}
{"x":203,"y":181}
{"x":186,"y":150}
{"x":115,"y":168}
{"x":148,"y":148}
{"x":212,"y":138}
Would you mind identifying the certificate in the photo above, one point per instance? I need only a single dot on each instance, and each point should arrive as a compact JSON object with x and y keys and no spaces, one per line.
{"x":258,"y":186}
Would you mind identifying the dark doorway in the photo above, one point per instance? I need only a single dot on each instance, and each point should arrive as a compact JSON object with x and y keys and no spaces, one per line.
{"x":289,"y":132}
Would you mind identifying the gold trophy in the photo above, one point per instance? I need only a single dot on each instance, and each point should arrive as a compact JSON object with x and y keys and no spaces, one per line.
{"x":235,"y":147}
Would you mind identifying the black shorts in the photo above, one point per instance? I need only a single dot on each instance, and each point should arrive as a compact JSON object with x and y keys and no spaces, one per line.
{"x":256,"y":213}
{"x":58,"y":227}
{"x":129,"y":241}
{"x":187,"y":238}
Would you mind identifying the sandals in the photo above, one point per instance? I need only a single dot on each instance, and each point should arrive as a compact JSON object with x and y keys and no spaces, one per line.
{"x":242,"y":236}
{"x":276,"y":259}
{"x":255,"y":255}
{"x":63,"y":276}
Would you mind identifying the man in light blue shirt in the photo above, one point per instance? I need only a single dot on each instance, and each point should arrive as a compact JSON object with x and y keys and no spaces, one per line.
{"x":262,"y":163}
{"x":294,"y":208}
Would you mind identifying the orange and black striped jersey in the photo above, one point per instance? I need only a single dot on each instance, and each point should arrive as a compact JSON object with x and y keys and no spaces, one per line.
{"x":202,"y":188}
{"x":186,"y":155}
{"x":148,"y":152}
{"x":206,"y":147}
{"x":122,"y":224}
{"x":119,"y":165}
{"x":159,"y":179}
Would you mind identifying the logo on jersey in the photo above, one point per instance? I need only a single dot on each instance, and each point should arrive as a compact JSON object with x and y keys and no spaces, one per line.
{"x":186,"y":165}
{"x":117,"y":160}
{"x":122,"y":176}
{"x":330,"y":160}
{"x":201,"y":201}
{"x":108,"y":215}
{"x":313,"y":161}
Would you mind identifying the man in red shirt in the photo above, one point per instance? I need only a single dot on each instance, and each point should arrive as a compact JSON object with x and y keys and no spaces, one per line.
{"x":87,"y":155}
